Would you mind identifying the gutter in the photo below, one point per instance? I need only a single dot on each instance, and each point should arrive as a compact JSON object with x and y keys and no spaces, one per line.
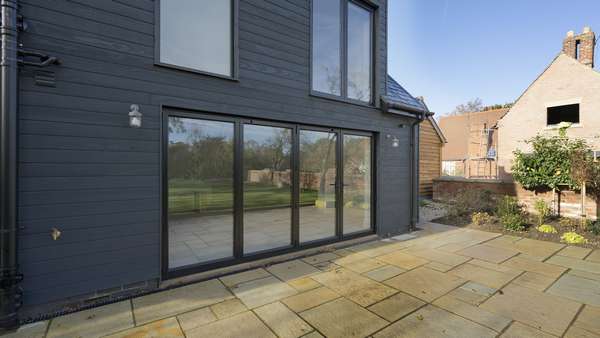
{"x":10,"y":292}
{"x":420,"y":114}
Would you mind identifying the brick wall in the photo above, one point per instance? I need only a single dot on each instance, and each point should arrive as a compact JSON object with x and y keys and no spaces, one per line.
{"x":567,"y":203}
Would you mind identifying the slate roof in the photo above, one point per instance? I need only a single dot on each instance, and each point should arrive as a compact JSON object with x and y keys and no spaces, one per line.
{"x":397,"y":93}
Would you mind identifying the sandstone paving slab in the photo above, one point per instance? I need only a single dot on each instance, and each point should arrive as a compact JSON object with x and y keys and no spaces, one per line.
{"x":504,"y":241}
{"x":438,"y":256}
{"x":293,"y":270}
{"x":580,"y":289}
{"x":547,"y":312}
{"x":397,"y":306}
{"x":574,"y":252}
{"x":491,"y":278}
{"x":246,"y":276}
{"x":384,"y":272}
{"x":262,"y":291}
{"x":163,"y":328}
{"x":175,"y":301}
{"x":343,"y":318}
{"x":34,"y":330}
{"x":232,"y":327}
{"x":94,"y":322}
{"x":518,"y":330}
{"x":441,"y":267}
{"x":425,"y":284}
{"x":488,"y":253}
{"x":363,"y":265}
{"x":355,"y":287}
{"x":534,"y":281}
{"x":539,"y":249}
{"x":546,"y":269}
{"x":594,"y":256}
{"x":472,"y":293}
{"x":403,"y":260}
{"x":478,"y":315}
{"x":575,"y":264}
{"x":193,"y":319}
{"x":433,"y":322}
{"x":313,"y":334}
{"x":320,"y":258}
{"x":228,"y":308}
{"x":309,"y":299}
{"x":585,"y":274}
{"x":454,"y":247}
{"x":326,"y":266}
{"x":496,"y":267}
{"x":588,"y":320}
{"x":374,"y":249}
{"x":284,"y":322}
{"x":304,"y":284}
{"x":577,"y":332}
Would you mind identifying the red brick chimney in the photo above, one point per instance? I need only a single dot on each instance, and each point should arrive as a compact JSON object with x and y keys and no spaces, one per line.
{"x":581,"y":47}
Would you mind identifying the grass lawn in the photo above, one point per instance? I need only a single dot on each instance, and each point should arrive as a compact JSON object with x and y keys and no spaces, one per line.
{"x":217,"y":196}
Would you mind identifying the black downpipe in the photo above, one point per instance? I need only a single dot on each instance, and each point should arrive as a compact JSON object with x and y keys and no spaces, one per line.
{"x":414,"y":170}
{"x":10,"y":293}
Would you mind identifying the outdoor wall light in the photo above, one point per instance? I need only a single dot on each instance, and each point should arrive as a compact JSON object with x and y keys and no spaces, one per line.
{"x":395,"y":140}
{"x":135,"y":116}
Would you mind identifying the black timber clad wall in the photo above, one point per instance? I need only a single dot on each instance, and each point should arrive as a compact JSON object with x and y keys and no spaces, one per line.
{"x":85,"y":172}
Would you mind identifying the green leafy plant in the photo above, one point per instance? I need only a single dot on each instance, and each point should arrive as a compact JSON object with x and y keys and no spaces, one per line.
{"x":568,"y":223}
{"x":543,"y":211}
{"x":573,"y":238}
{"x":481,"y":218}
{"x":547,"y":229}
{"x":510,"y":213}
{"x":514,"y":222}
{"x":469,"y":201}
{"x":594,"y":228}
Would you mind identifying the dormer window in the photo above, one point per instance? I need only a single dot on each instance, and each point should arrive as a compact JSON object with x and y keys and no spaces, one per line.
{"x":342,"y":49}
{"x":567,"y":113}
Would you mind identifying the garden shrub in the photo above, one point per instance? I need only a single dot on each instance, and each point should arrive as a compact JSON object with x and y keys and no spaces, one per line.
{"x":594,"y":228}
{"x":568,"y":223}
{"x":543,"y":211}
{"x":547,"y":229}
{"x":481,"y":218}
{"x":470,"y":201}
{"x":573,"y":238}
{"x":514,"y":222}
{"x":510,"y":213}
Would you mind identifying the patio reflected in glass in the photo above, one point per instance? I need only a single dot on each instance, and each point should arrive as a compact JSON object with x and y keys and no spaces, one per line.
{"x":357,"y":183}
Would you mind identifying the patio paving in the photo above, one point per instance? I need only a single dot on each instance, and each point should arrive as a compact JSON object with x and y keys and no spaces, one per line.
{"x":438,"y":282}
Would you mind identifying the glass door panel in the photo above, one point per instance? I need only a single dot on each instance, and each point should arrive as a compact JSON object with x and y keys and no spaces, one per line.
{"x":200,"y":191}
{"x":357,"y":183}
{"x":267,"y":188}
{"x":318,"y":177}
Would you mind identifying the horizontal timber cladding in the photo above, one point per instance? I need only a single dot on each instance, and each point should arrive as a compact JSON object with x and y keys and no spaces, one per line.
{"x":83,"y":171}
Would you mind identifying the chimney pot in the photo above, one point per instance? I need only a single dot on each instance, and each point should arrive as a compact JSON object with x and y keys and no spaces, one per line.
{"x":581,"y":47}
{"x":586,"y":29}
{"x":570,"y":34}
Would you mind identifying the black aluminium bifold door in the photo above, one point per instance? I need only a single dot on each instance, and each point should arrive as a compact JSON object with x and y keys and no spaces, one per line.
{"x":237,"y":189}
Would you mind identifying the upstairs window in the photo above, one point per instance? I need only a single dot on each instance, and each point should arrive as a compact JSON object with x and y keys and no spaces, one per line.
{"x":567,"y":113}
{"x":197,"y":35}
{"x":342,"y":49}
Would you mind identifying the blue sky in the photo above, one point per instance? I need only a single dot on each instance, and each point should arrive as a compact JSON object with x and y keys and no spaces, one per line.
{"x":451,"y":51}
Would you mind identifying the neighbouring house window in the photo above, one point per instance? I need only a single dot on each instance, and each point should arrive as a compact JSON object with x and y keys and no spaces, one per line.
{"x":567,"y":113}
{"x":453,"y":168}
{"x":197,"y":35}
{"x":342,"y":49}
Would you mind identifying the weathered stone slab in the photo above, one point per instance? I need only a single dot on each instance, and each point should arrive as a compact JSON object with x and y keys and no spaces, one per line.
{"x":175,"y":301}
{"x":304,"y":284}
{"x":574,"y":252}
{"x":245,"y":325}
{"x":320,"y":258}
{"x":94,"y":322}
{"x":403,"y":260}
{"x":310,"y":299}
{"x":505,"y":241}
{"x":34,"y":330}
{"x":246,"y":276}
{"x":397,"y":306}
{"x":285,"y":323}
{"x":472,"y":293}
{"x":293,"y":270}
{"x":363,"y":265}
{"x":228,"y":308}
{"x":518,"y":330}
{"x":432,"y":322}
{"x":520,"y":263}
{"x":491,"y":278}
{"x":437,"y":266}
{"x":163,"y":328}
{"x":196,"y":318}
{"x":594,"y":256}
{"x":539,"y":249}
{"x":550,"y":313}
{"x":438,"y":256}
{"x":588,"y":320}
{"x":580,"y":289}
{"x":262,"y":291}
{"x":576,"y":264}
{"x":534,"y":281}
{"x":490,"y":320}
{"x":355,"y":287}
{"x":384,"y":272}
{"x":488,"y":253}
{"x":576,"y":332}
{"x":343,"y":318}
{"x":425,"y":284}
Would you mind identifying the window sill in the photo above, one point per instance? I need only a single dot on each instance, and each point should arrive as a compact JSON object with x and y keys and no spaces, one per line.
{"x":341,"y":99}
{"x":195,"y":71}
{"x":556,"y":126}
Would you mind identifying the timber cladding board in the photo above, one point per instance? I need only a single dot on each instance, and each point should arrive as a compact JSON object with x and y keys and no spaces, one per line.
{"x":85,"y":172}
